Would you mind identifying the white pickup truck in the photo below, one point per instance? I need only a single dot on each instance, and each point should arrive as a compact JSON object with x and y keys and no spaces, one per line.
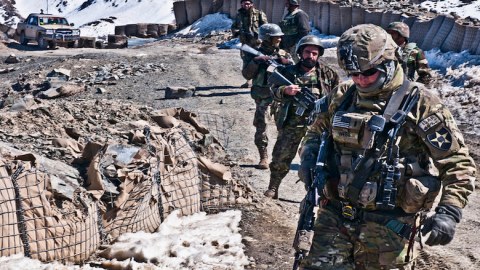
{"x":48,"y":30}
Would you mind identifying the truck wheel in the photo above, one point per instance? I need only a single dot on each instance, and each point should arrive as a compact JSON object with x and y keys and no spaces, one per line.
{"x":52,"y":45}
{"x":73,"y":44}
{"x":42,"y":43}
{"x":23,"y":39}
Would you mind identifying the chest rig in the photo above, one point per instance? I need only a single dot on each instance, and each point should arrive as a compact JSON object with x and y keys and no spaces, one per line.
{"x":288,"y":25}
{"x":366,"y":142}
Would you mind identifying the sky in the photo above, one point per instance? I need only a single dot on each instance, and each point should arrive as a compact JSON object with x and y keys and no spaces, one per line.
{"x":207,"y":236}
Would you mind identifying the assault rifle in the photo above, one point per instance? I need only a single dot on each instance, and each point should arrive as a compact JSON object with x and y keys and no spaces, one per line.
{"x":305,"y":98}
{"x":391,"y":168}
{"x":271,"y":62}
{"x":304,"y":234}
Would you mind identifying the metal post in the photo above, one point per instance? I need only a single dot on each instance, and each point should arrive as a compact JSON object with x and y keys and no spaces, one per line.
{"x":47,"y":6}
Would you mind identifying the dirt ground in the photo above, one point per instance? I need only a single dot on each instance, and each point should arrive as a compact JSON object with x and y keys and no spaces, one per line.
{"x":268,"y":226}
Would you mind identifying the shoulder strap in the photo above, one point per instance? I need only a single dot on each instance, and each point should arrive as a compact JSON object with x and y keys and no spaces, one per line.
{"x":396,"y":100}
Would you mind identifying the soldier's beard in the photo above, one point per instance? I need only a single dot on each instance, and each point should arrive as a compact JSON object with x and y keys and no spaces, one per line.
{"x":308,"y":63}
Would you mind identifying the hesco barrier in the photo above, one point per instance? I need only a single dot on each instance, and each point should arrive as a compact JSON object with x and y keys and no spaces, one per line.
{"x":443,"y":31}
{"x":170,"y":163}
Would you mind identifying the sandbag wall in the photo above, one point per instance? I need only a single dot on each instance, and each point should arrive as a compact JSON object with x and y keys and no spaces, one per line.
{"x":144,"y":30}
{"x":167,"y":160}
{"x":40,"y":225}
{"x":442,"y":31}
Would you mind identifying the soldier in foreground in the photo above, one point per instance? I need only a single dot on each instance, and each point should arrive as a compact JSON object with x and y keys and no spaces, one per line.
{"x":245,"y":27}
{"x":383,"y":131}
{"x":295,"y":25}
{"x":311,"y":75}
{"x":410,"y":56}
{"x":256,"y":68}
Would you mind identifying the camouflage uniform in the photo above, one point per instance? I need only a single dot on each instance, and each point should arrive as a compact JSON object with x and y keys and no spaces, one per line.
{"x":291,"y":127}
{"x":410,"y":56}
{"x":351,"y":231}
{"x":295,"y":25}
{"x":412,"y":59}
{"x":246,"y":26}
{"x":260,"y":90}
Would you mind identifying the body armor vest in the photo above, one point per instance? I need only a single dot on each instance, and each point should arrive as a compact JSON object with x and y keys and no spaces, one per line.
{"x":352,"y":136}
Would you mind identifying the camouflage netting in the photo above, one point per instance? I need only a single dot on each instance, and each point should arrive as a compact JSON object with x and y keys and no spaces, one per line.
{"x":105,"y":170}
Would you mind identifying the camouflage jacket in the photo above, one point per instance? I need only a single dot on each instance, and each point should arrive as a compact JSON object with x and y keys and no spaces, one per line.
{"x":413,"y":60}
{"x":246,"y":25}
{"x":294,"y":25}
{"x":320,"y":82}
{"x":258,"y":71}
{"x":429,"y":133}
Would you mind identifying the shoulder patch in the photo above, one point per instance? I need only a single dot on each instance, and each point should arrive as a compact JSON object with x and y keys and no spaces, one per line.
{"x":440,"y":139}
{"x":429,"y":122}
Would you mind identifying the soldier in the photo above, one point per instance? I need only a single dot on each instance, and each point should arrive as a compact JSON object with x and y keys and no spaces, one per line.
{"x":317,"y":78}
{"x":295,"y":25}
{"x":245,"y":27}
{"x":411,"y":57}
{"x":384,"y":131}
{"x":256,"y":68}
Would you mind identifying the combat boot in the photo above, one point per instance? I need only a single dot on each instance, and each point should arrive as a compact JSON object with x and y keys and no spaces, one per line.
{"x":272,"y":191}
{"x":263,"y":164}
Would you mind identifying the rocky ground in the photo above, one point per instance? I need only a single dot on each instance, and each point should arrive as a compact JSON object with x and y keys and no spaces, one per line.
{"x":142,"y":75}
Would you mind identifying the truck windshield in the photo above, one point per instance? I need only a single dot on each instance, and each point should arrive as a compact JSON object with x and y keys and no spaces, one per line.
{"x":53,"y":20}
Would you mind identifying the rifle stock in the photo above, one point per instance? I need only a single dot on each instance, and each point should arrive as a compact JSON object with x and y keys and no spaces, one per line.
{"x":304,"y":234}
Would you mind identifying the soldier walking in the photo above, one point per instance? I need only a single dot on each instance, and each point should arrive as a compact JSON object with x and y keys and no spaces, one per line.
{"x":386,"y":133}
{"x":245,"y":27}
{"x":295,"y":25}
{"x":256,"y":68}
{"x":317,"y":78}
{"x":410,"y":56}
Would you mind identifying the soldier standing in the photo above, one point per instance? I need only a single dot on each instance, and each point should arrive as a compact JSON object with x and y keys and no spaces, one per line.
{"x":308,"y":73}
{"x":379,"y":184}
{"x":245,"y":27}
{"x":256,"y":68}
{"x":295,"y":25}
{"x":410,"y":56}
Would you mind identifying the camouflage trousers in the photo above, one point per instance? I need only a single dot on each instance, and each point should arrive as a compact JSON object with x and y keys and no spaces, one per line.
{"x":342,"y":244}
{"x":260,"y":122}
{"x":284,"y":151}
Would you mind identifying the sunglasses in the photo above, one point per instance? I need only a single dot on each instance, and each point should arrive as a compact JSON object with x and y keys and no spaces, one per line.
{"x":366,"y":73}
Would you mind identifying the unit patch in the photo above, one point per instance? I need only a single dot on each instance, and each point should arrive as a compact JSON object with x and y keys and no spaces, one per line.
{"x":429,"y":122}
{"x":441,"y":139}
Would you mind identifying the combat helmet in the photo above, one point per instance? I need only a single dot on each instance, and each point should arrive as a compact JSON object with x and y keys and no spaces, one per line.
{"x":309,"y":40}
{"x":400,"y":27}
{"x":294,"y":2}
{"x":268,"y":30}
{"x":364,"y":47}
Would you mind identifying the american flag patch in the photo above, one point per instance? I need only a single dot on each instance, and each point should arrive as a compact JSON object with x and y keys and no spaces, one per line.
{"x":339,"y":120}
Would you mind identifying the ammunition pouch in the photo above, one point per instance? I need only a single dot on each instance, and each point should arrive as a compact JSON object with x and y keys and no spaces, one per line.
{"x":418,"y":193}
{"x":350,"y":129}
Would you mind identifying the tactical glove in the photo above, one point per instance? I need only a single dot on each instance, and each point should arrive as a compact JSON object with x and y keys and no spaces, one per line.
{"x":308,"y":159}
{"x":442,"y":225}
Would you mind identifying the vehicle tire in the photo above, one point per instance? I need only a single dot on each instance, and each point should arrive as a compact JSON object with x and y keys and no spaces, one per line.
{"x":73,"y":44}
{"x":42,"y":43}
{"x":23,"y":39}
{"x":52,"y":45}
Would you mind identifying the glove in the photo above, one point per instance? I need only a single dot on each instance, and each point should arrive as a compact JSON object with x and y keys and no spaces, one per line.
{"x":442,"y":225}
{"x":308,"y":160}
